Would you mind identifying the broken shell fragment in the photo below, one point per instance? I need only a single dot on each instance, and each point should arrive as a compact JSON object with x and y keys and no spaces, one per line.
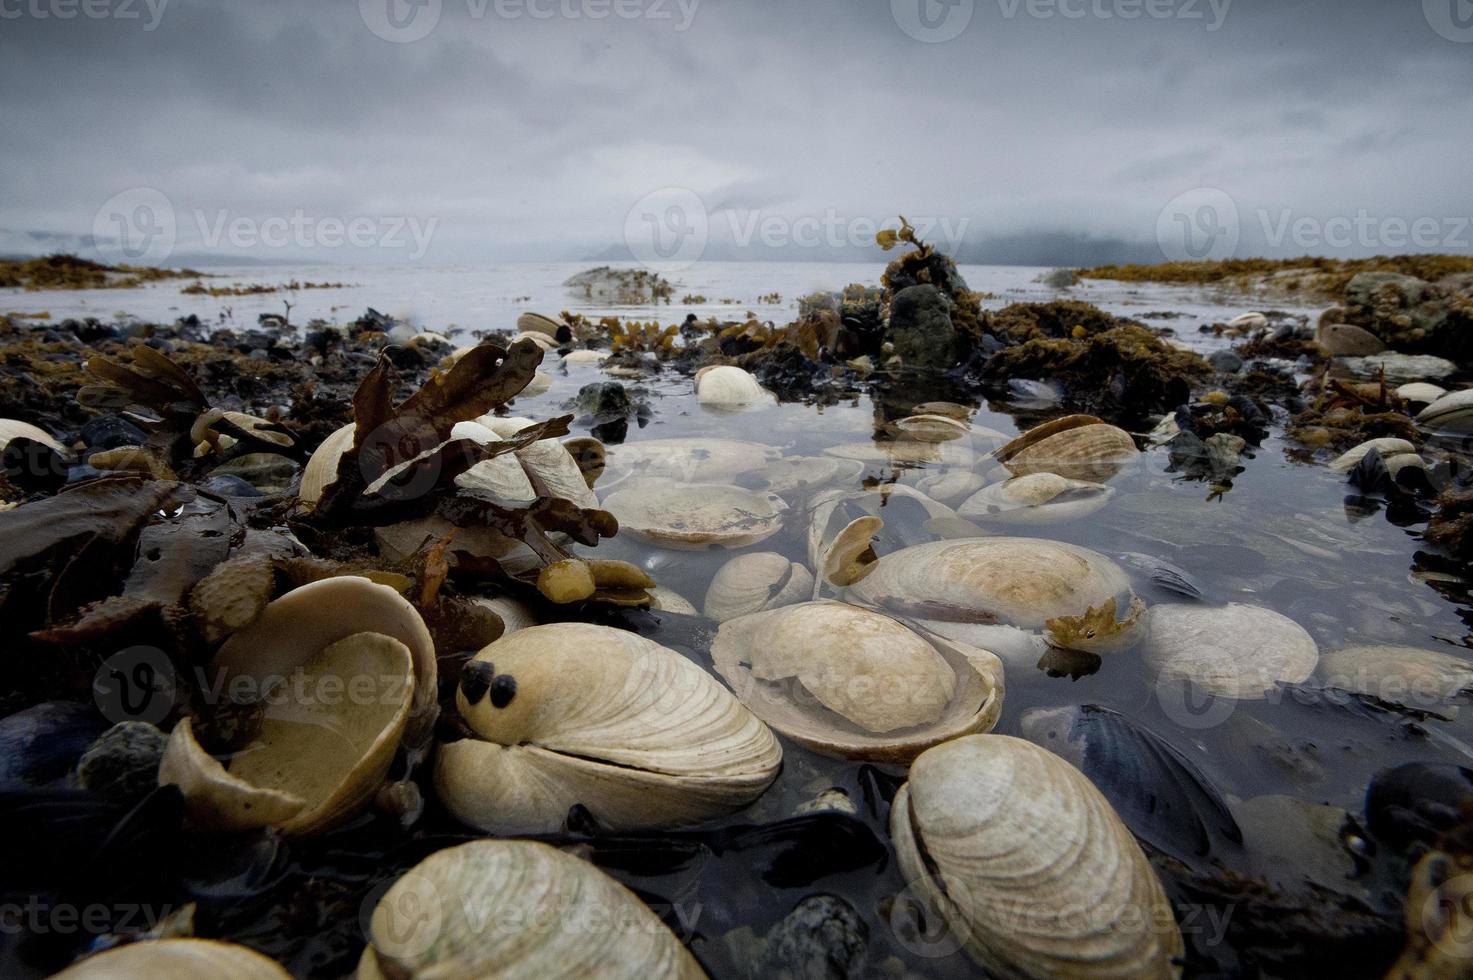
{"x":575,"y":713}
{"x":694,"y":516}
{"x":14,"y":429}
{"x":754,"y":582}
{"x":1000,"y":594}
{"x":175,"y":959}
{"x":1039,"y":498}
{"x":315,"y":760}
{"x":494,"y":908}
{"x":853,"y":683}
{"x":1029,"y":864}
{"x":1236,"y":651}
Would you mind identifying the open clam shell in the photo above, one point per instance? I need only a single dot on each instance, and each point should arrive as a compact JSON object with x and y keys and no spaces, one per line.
{"x":906,"y":512}
{"x":575,"y":713}
{"x":549,"y":466}
{"x":692,"y":460}
{"x":793,"y":474}
{"x":1235,"y":651}
{"x":1079,"y":447}
{"x":853,"y":683}
{"x":1387,"y":447}
{"x":320,"y":751}
{"x":695,"y":516}
{"x":754,"y":582}
{"x":1001,"y":593}
{"x":1029,"y":865}
{"x":175,"y":959}
{"x":517,"y":909}
{"x":1039,"y":498}
{"x":322,"y":466}
{"x":14,"y":429}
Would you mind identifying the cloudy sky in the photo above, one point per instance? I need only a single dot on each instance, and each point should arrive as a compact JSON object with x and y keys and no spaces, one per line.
{"x":466,"y":130}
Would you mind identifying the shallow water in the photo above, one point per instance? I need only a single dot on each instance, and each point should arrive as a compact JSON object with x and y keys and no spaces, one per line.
{"x":1283,"y":537}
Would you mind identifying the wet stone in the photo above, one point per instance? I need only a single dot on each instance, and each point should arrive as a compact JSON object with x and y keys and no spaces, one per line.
{"x":123,"y":764}
{"x":823,"y":938}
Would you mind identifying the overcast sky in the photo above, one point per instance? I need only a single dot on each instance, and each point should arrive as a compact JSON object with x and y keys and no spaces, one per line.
{"x":535,"y":128}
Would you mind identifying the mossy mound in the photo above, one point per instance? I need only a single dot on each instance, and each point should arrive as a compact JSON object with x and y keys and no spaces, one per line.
{"x":63,"y":271}
{"x":1125,"y":370}
{"x":1060,"y":319}
{"x":1451,"y":527}
{"x":1308,"y":273}
{"x":1342,"y":428}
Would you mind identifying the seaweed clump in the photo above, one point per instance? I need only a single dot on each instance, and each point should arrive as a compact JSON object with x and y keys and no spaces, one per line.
{"x":1022,"y":322}
{"x":933,"y":315}
{"x":1125,"y":370}
{"x":62,"y":271}
{"x":1451,"y":526}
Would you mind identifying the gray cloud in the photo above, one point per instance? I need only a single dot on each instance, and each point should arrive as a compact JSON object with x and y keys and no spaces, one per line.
{"x":521,"y":136}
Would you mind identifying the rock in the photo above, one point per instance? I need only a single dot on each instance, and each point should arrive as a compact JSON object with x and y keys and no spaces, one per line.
{"x":1225,"y":361}
{"x":1225,"y":453}
{"x":123,"y":764}
{"x":921,"y":328}
{"x":267,"y":472}
{"x":1347,"y":340}
{"x":1412,"y":315}
{"x":604,"y":400}
{"x":823,"y":938}
{"x":1060,"y":279}
{"x":110,"y":432}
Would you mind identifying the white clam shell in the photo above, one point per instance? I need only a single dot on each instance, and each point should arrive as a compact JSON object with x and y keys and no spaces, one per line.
{"x":668,"y":600}
{"x":551,"y":468}
{"x":728,"y":387}
{"x":1079,"y":447}
{"x":693,"y":460}
{"x":1235,"y":651}
{"x":1452,"y":412}
{"x":1000,"y":593}
{"x":1388,"y":446}
{"x":175,"y":959}
{"x":853,"y":683}
{"x":1029,"y":864}
{"x":799,"y":473}
{"x":830,"y":512}
{"x":753,"y":582}
{"x":1420,"y":393}
{"x":515,"y":614}
{"x":694,"y":516}
{"x":641,"y":736}
{"x":1039,"y":498}
{"x":502,"y":477}
{"x":952,"y":485}
{"x":517,"y":910}
{"x":1408,"y":676}
{"x":930,"y":428}
{"x":14,"y":429}
{"x":322,"y":467}
{"x":538,"y":323}
{"x":584,"y":356}
{"x":317,"y":758}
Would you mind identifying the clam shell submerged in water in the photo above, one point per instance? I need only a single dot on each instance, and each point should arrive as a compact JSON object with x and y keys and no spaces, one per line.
{"x":1235,"y":651}
{"x":1079,"y":447}
{"x":856,"y":684}
{"x":999,"y":593}
{"x":1029,"y":864}
{"x":517,"y":909}
{"x":695,"y":516}
{"x":1039,"y":498}
{"x":574,"y":713}
{"x":754,"y":582}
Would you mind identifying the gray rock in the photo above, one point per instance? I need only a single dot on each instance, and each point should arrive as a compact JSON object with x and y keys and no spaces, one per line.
{"x":604,"y":400}
{"x":123,"y":764}
{"x":921,"y":327}
{"x":1364,"y":289}
{"x":823,"y":938}
{"x":1225,"y":361}
{"x":1400,"y":368}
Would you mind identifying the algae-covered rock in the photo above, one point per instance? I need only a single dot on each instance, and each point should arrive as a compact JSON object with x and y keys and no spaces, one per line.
{"x":1412,"y":315}
{"x":921,"y":327}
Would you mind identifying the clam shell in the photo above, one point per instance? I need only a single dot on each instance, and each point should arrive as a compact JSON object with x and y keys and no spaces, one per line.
{"x":799,"y":473}
{"x":322,"y":467}
{"x":537,"y":323}
{"x":320,"y":758}
{"x":584,"y":356}
{"x":1079,"y":447}
{"x":1039,"y":498}
{"x":853,"y":683}
{"x":1347,"y":340}
{"x":905,"y":452}
{"x":175,"y":959}
{"x":549,"y":466}
{"x":929,"y":428}
{"x":1236,"y":651}
{"x":517,"y":910}
{"x":754,"y":582}
{"x":952,"y":485}
{"x":1399,"y":675}
{"x":540,"y":384}
{"x":693,"y":460}
{"x":996,"y":592}
{"x":1249,"y":321}
{"x":668,"y":600}
{"x":515,"y":615}
{"x":1029,"y":865}
{"x":728,"y":387}
{"x":294,"y":627}
{"x":14,"y":429}
{"x":641,"y":736}
{"x":694,"y":516}
{"x":905,"y":511}
{"x":543,"y":340}
{"x":502,"y":477}
{"x":1386,"y":447}
{"x":1420,"y":393}
{"x":1452,"y":412}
